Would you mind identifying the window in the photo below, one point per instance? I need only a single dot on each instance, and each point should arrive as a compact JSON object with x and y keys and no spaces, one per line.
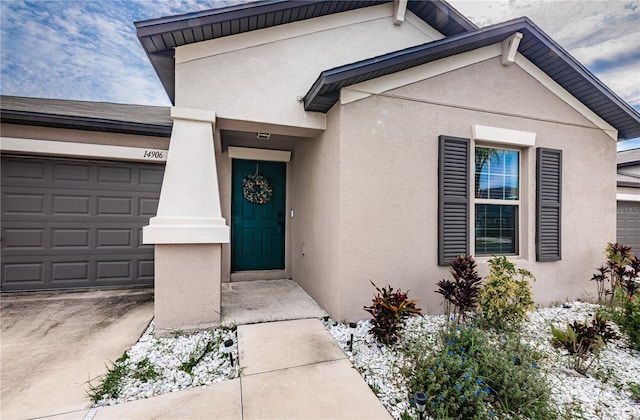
{"x":497,"y":200}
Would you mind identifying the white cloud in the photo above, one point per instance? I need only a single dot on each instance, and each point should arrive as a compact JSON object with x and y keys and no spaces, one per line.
{"x":603,"y":35}
{"x":89,"y":50}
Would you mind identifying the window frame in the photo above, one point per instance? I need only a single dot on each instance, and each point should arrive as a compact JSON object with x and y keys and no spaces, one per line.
{"x":492,"y":201}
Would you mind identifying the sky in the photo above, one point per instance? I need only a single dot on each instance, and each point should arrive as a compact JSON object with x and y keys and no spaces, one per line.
{"x":88,"y":50}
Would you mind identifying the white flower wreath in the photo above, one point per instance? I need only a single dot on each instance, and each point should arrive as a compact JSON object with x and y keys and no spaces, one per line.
{"x":257,"y":189}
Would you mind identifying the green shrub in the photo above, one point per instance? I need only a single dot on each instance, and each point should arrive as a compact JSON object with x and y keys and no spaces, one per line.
{"x":584,"y":341}
{"x":389,"y":309}
{"x":472,"y":377}
{"x":628,"y":319}
{"x":506,"y":296}
{"x":461,"y":294}
{"x":634,"y":389}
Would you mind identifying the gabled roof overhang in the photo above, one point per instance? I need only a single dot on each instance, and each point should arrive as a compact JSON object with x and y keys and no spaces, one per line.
{"x":159,"y":37}
{"x":535,"y":45}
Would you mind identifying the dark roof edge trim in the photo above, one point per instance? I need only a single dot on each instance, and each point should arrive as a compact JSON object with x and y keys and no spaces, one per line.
{"x":359,"y":71}
{"x":629,"y":163}
{"x":628,"y":184}
{"x":83,"y":123}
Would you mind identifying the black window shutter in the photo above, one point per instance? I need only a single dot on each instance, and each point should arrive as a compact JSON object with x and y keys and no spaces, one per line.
{"x":453,"y":198}
{"x":548,"y":204}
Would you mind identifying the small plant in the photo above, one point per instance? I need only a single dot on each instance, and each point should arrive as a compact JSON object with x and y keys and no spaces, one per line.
{"x":634,"y":389}
{"x":461,"y":294}
{"x":601,"y":277}
{"x":628,"y":319}
{"x":144,"y":371}
{"x":389,"y":309}
{"x":506,"y":296}
{"x":618,"y":257}
{"x":198,"y":353}
{"x":110,"y":384}
{"x":584,"y":341}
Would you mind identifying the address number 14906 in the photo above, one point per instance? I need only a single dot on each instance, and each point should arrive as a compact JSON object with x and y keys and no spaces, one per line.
{"x":153,"y":154}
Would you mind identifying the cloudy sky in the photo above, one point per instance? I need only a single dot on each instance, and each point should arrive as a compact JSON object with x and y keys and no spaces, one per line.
{"x":88,"y":50}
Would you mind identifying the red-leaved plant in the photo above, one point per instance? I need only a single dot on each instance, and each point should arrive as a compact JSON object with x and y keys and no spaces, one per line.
{"x":389,"y":308}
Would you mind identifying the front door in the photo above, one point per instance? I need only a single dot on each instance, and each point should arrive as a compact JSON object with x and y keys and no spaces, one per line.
{"x":257,"y":215}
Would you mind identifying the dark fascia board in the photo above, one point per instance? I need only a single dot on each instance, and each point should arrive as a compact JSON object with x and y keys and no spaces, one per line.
{"x":328,"y":84}
{"x":161,"y":56}
{"x":628,"y":184}
{"x":83,"y":123}
{"x":629,"y":163}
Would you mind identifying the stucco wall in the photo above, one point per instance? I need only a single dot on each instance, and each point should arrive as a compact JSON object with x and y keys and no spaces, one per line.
{"x":259,"y":78}
{"x":316,"y":224}
{"x":389,"y":174}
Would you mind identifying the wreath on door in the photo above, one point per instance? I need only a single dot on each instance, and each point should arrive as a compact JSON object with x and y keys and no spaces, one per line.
{"x":257,"y":189}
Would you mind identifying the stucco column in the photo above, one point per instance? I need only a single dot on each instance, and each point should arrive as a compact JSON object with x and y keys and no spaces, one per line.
{"x":188,"y":229}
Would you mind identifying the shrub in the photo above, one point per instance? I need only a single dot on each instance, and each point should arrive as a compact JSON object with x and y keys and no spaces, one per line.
{"x":462,"y":292}
{"x":628,"y":319}
{"x":389,"y":309}
{"x":601,"y":278}
{"x":519,"y":387}
{"x":506,"y":295}
{"x":472,"y":377}
{"x":618,"y":257}
{"x":584,"y":341}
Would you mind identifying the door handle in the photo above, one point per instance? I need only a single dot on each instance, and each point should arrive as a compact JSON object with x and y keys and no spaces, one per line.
{"x":279,"y":228}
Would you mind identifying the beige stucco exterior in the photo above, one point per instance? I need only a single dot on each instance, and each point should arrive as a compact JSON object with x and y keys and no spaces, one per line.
{"x":257,"y":77}
{"x":362,"y":180}
{"x":387,"y":184}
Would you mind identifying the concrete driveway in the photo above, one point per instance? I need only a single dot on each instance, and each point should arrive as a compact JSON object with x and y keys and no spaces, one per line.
{"x":52,"y":344}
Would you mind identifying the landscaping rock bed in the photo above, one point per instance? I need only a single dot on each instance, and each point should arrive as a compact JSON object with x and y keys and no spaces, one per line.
{"x":602,"y":394}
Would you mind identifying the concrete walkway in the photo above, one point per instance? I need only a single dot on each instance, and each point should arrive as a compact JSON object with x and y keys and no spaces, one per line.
{"x":291,"y":369}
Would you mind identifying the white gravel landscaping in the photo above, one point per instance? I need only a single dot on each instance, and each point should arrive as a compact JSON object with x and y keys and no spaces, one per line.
{"x":167,"y":357}
{"x":602,"y":394}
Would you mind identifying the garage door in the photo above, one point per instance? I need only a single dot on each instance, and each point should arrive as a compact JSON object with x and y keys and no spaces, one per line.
{"x":76,"y":224}
{"x":628,"y":231}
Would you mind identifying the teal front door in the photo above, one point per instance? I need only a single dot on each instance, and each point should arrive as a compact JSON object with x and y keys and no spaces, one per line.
{"x":257,"y":229}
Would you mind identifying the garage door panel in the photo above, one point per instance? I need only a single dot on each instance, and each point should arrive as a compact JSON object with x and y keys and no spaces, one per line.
{"x":108,"y":238}
{"x":78,"y":271}
{"x":71,"y":204}
{"x":23,"y":203}
{"x":628,"y":225}
{"x":110,"y":270}
{"x":151,"y":178}
{"x":70,"y":238}
{"x":21,"y":239}
{"x":18,"y":274}
{"x":70,"y":224}
{"x":23,"y":170}
{"x":72,"y":171}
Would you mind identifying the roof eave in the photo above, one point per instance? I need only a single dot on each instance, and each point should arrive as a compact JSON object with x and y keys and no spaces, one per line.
{"x":83,"y":123}
{"x":315,"y":99}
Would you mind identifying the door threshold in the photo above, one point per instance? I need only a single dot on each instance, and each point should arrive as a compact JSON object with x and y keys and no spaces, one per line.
{"x":259,"y":275}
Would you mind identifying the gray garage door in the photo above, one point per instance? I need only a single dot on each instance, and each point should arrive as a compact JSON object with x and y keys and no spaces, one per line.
{"x":628,"y":231}
{"x":76,"y":224}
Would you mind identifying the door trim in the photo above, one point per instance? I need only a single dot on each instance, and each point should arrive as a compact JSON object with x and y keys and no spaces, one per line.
{"x":268,"y":155}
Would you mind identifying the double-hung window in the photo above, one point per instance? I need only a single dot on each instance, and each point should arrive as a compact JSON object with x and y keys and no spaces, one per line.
{"x":480,"y":196}
{"x":497,"y":200}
